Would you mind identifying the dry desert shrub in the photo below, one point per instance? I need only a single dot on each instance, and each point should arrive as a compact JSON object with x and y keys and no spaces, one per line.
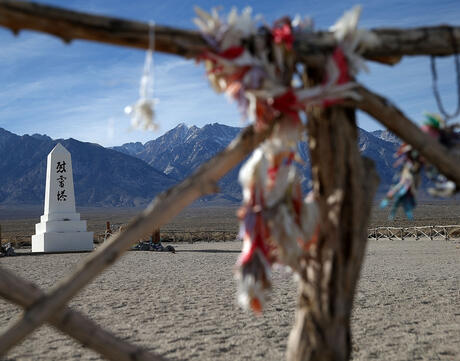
{"x":454,"y":232}
{"x":198,"y":236}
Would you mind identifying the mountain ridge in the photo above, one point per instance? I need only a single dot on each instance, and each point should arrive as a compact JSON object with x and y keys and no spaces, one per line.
{"x":133,"y":173}
{"x":181,"y":160}
{"x":100,"y":174}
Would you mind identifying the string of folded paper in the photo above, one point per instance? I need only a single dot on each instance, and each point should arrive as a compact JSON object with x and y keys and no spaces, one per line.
{"x":255,"y":66}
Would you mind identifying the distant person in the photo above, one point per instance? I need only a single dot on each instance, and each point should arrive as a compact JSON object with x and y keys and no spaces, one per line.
{"x":403,"y":192}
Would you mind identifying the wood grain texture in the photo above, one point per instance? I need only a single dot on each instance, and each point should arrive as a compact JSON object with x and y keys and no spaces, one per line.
{"x":72,"y":25}
{"x":309,"y":48}
{"x":391,"y":45}
{"x":344,"y":184}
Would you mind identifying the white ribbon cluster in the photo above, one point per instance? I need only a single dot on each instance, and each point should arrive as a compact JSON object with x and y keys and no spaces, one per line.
{"x":275,"y":201}
{"x":142,"y":112}
{"x":226,"y":34}
{"x":289,"y":229}
{"x":353,"y":41}
{"x":262,"y":81}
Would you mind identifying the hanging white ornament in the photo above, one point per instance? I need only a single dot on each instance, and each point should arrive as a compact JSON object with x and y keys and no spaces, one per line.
{"x":142,"y":112}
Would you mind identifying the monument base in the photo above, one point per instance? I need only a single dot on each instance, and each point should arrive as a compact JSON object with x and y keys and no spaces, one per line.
{"x":62,"y":242}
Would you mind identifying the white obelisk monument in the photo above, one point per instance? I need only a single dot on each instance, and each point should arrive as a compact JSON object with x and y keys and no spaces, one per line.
{"x":60,"y":229}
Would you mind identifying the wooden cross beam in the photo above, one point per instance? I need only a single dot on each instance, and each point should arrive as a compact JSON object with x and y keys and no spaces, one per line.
{"x":73,"y":323}
{"x":310,"y":48}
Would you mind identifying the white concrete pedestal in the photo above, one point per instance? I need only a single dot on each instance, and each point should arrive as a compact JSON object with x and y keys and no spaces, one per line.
{"x":67,"y":234}
{"x":60,"y":228}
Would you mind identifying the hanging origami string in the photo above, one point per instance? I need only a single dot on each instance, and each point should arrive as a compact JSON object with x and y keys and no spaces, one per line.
{"x":434,"y":76}
{"x":255,"y":66}
{"x":142,"y":112}
{"x":277,"y":223}
{"x":404,"y":191}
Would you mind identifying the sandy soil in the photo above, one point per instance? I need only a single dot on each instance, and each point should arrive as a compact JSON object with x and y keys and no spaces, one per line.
{"x":183,"y":305}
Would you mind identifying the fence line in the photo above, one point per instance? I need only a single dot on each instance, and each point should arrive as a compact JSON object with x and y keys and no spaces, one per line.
{"x":445,"y":232}
{"x":175,"y":235}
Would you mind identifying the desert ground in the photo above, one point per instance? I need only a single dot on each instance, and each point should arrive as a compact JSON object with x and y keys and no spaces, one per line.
{"x":183,"y":305}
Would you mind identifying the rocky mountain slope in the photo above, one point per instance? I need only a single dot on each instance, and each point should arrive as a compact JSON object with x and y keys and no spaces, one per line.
{"x":182,"y":149}
{"x":102,"y":176}
{"x":133,"y":173}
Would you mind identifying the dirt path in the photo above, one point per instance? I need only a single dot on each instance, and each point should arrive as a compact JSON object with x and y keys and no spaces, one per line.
{"x":183,"y":305}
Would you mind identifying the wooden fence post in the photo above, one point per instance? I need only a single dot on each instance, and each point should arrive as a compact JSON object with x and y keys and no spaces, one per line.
{"x":108,"y":230}
{"x":156,"y":236}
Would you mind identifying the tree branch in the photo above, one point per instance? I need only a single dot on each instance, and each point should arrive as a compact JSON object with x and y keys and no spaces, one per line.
{"x":392,"y":44}
{"x":393,"y":119}
{"x":73,"y":323}
{"x":70,"y":25}
{"x":310,"y":48}
{"x":163,"y":208}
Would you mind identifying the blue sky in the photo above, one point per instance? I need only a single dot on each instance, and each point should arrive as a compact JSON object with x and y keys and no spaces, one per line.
{"x":80,"y":90}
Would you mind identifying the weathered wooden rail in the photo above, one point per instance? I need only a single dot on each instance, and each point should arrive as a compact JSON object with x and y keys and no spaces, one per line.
{"x":432,"y":232}
{"x":186,"y":236}
{"x":447,"y":232}
{"x":175,"y":235}
{"x":202,"y":236}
